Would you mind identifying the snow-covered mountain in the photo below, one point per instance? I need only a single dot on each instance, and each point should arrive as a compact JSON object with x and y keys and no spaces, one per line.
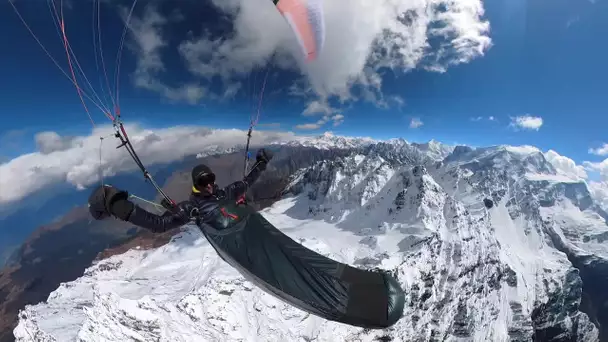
{"x":328,"y":141}
{"x":490,"y":244}
{"x":435,"y":149}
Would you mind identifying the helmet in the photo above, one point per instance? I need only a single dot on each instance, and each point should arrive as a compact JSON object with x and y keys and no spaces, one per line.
{"x":202,"y":176}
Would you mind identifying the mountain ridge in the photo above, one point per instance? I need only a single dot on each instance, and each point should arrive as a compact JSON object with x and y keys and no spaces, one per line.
{"x":420,"y":214}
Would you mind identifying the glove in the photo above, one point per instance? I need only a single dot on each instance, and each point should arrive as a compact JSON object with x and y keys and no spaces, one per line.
{"x":102,"y":199}
{"x":167,"y":205}
{"x":264,"y":156}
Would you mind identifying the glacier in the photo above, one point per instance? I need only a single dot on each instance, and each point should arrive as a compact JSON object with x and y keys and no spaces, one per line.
{"x":518,"y":270}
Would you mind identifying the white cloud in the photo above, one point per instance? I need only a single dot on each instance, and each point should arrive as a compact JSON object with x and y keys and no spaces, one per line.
{"x":599,"y":192}
{"x":309,"y":126}
{"x":478,"y":118}
{"x":362,"y":39}
{"x":527,"y":122}
{"x":415,"y":123}
{"x":49,"y":142}
{"x":601,"y":167}
{"x":491,"y":118}
{"x":76,"y":160}
{"x":600,"y":151}
{"x":523,"y":149}
{"x":338,"y":119}
{"x":317,"y":107}
{"x":398,"y":100}
{"x":565,"y":165}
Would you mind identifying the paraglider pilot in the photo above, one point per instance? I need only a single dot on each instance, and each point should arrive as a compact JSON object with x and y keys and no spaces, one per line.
{"x":265,"y":256}
{"x":106,"y":200}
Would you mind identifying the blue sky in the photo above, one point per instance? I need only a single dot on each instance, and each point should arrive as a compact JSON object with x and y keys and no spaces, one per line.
{"x":546,"y":60}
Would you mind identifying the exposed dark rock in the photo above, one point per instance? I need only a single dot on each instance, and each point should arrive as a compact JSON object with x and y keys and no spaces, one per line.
{"x":384,"y":338}
{"x":498,"y":195}
{"x":520,"y":329}
{"x":593,"y":276}
{"x":510,"y":276}
{"x":399,"y":201}
{"x":368,"y":262}
{"x":419,"y":170}
{"x":370,"y":241}
{"x":559,"y":320}
{"x":462,"y":325}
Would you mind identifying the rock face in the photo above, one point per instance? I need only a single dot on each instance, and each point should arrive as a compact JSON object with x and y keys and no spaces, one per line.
{"x":530,"y":267}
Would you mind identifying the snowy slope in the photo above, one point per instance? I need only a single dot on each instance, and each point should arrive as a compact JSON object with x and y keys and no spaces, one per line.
{"x":473,"y":270}
{"x":184,"y":292}
{"x":442,"y":213}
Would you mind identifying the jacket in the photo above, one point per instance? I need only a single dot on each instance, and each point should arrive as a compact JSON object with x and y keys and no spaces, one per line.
{"x":202,"y":206}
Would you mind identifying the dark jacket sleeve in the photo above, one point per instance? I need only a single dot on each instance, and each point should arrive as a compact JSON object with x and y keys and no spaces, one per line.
{"x":238,"y":189}
{"x":128,"y":211}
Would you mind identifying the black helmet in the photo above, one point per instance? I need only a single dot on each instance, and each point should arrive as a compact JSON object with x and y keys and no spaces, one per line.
{"x":202,"y":176}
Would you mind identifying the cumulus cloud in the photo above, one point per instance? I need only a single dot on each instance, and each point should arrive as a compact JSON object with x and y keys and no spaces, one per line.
{"x":600,"y":167}
{"x":523,"y":149}
{"x":565,"y":165}
{"x":600,"y":151}
{"x":317,"y":107}
{"x":363,"y":38}
{"x":76,"y":160}
{"x":49,"y":142}
{"x":599,"y":192}
{"x":415,"y":123}
{"x":527,"y":122}
{"x":308,"y":126}
{"x":562,"y":164}
{"x":336,"y":120}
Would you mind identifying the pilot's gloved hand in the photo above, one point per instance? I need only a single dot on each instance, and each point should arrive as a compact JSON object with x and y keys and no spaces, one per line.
{"x":264,"y":156}
{"x":103,"y":202}
{"x":167,"y":205}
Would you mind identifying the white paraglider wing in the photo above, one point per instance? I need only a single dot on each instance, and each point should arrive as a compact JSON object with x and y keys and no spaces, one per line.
{"x":307,"y":22}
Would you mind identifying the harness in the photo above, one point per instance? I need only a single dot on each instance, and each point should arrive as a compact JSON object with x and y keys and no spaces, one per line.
{"x":225,"y":211}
